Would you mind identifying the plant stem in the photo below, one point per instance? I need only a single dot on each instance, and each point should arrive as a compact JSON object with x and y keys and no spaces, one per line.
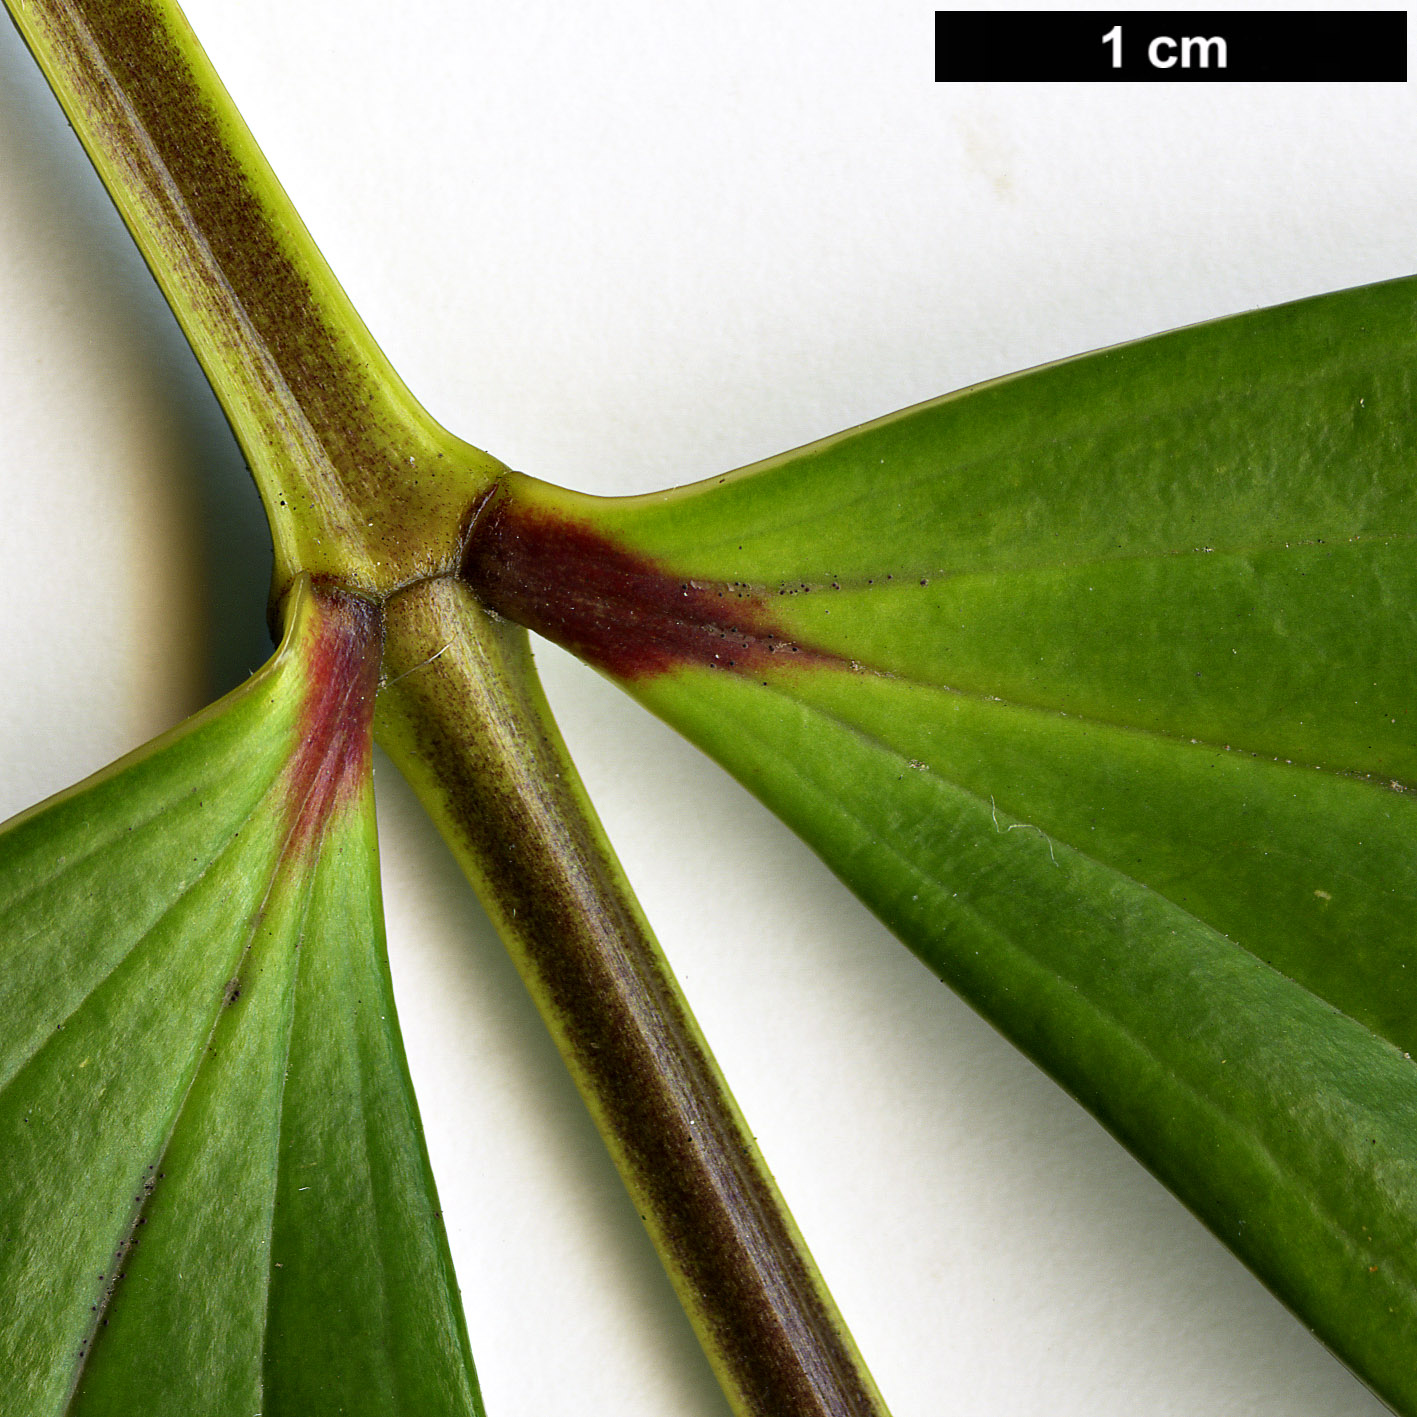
{"x":464,"y":718}
{"x":364,"y":489}
{"x":358,"y":481}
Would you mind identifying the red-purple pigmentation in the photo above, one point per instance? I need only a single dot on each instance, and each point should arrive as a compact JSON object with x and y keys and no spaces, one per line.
{"x":331,"y":764}
{"x":613,"y":607}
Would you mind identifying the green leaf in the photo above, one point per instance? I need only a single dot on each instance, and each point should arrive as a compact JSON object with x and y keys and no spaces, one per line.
{"x":1095,"y":683}
{"x":215,"y":1195}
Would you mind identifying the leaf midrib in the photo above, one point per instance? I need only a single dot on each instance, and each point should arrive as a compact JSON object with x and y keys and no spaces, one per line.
{"x":1380,"y":782}
{"x":902,"y":579}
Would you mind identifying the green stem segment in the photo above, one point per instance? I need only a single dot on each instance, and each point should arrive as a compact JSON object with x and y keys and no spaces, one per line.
{"x":364,"y":489}
{"x":359,"y":483}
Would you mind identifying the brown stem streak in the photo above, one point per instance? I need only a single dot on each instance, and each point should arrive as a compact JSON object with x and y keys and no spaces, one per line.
{"x":358,"y":481}
{"x":464,"y":718}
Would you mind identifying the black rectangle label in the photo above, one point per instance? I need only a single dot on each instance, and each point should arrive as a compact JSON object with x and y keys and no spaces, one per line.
{"x":1171,"y":46}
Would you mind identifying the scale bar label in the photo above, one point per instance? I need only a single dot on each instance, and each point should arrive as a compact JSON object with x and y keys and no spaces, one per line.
{"x":1171,"y":46}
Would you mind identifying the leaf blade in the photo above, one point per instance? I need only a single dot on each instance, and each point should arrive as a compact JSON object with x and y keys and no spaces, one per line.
{"x":1232,"y":1082}
{"x":149,"y":1195}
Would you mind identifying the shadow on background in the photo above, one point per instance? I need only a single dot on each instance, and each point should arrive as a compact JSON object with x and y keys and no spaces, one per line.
{"x":51,"y":185}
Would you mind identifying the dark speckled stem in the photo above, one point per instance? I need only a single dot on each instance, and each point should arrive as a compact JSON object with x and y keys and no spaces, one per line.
{"x":463,"y":716}
{"x":359,"y":482}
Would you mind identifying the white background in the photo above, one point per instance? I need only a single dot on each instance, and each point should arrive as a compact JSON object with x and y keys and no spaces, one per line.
{"x":623,"y":245}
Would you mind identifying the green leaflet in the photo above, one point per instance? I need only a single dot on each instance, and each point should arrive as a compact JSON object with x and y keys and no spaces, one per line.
{"x":214,"y":1195}
{"x":1095,"y":683}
